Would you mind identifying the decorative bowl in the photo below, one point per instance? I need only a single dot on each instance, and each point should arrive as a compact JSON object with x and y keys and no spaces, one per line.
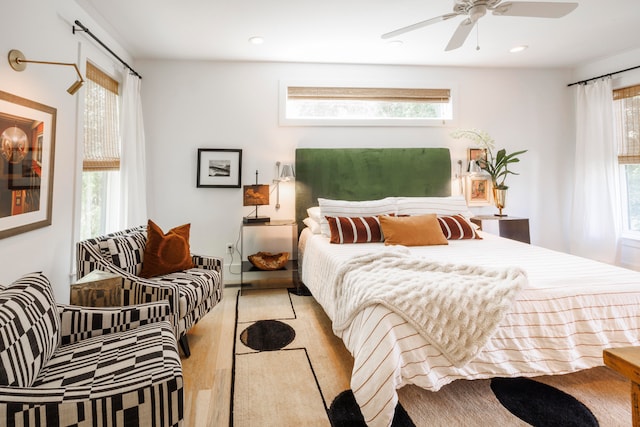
{"x":268,"y":261}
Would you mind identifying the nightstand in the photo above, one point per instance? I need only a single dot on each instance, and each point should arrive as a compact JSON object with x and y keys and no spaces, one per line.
{"x":510,"y":227}
{"x":97,"y":289}
{"x":250,"y":275}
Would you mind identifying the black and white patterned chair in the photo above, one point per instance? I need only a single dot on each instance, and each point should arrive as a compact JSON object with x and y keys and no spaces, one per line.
{"x":75,"y":366}
{"x":191,"y":293}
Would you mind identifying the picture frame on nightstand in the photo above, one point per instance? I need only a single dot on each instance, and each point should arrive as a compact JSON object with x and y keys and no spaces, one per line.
{"x":478,"y":190}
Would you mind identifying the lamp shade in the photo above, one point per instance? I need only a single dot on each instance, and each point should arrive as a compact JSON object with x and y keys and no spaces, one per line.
{"x":256,"y":195}
{"x":287,"y":173}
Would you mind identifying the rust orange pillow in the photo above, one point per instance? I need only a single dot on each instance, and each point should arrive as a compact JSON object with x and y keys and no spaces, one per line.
{"x":166,"y":253}
{"x":419,"y":230}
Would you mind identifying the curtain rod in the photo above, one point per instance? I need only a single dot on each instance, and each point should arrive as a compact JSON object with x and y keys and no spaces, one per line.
{"x":86,"y":30}
{"x":604,"y":75}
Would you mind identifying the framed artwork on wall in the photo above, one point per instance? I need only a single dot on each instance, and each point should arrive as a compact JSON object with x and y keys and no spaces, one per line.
{"x":219,"y":167}
{"x":27,"y":152}
{"x":478,"y":190}
{"x":474,"y":155}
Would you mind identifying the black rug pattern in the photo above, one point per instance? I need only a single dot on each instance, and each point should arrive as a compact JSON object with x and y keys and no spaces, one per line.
{"x":268,"y":335}
{"x":540,"y":404}
{"x":344,"y":412}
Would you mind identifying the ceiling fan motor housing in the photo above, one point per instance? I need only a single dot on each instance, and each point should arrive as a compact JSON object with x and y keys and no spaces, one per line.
{"x":464,"y":7}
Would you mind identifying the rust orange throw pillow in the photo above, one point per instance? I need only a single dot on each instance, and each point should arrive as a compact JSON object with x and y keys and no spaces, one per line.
{"x":166,"y":253}
{"x":419,"y":230}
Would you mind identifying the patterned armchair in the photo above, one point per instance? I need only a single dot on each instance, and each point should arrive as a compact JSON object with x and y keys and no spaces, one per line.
{"x":76,"y":366}
{"x":191,"y":293}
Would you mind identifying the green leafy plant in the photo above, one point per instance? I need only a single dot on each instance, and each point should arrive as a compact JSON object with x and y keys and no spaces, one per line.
{"x":497,"y":166}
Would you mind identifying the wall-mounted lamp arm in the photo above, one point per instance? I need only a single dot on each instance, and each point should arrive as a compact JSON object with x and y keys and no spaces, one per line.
{"x":18,"y":62}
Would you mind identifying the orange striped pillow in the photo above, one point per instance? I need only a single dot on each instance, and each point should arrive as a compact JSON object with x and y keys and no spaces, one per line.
{"x":456,"y":227}
{"x":362,"y":229}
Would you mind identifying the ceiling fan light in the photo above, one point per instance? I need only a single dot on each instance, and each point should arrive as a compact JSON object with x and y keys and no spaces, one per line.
{"x":517,"y":49}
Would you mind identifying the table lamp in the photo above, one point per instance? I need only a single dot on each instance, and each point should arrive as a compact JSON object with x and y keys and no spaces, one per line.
{"x":256,"y":195}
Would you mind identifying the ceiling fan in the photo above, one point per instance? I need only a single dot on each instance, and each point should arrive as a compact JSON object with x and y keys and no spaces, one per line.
{"x":476,"y":9}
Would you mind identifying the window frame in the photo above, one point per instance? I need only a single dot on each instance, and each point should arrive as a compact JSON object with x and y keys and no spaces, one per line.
{"x":407,"y":122}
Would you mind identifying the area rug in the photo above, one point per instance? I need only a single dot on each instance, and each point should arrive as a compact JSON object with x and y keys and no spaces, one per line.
{"x":291,"y":370}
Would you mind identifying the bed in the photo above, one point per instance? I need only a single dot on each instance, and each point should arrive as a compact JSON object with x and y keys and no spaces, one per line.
{"x":560,"y":319}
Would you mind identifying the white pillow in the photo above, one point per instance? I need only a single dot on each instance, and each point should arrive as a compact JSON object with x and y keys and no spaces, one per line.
{"x":313,"y":225}
{"x":345,"y":208}
{"x":451,"y":205}
{"x":314,"y":213}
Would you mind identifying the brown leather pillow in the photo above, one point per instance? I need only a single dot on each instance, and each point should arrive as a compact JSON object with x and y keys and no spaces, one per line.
{"x":166,"y":253}
{"x":419,"y":230}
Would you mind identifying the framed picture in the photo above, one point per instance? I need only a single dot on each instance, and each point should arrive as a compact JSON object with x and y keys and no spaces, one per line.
{"x":220,"y":168}
{"x":475,"y":154}
{"x":478,"y":190}
{"x":27,"y":152}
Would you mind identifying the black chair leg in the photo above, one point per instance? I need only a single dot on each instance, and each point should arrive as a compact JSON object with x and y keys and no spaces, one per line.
{"x":184,"y":345}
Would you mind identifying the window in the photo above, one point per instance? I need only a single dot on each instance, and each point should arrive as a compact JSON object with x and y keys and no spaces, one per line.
{"x":101,"y":162}
{"x":626,"y":103}
{"x":339,"y":105}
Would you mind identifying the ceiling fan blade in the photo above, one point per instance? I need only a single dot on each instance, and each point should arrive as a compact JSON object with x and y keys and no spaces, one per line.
{"x":535,"y":9}
{"x":461,"y":34}
{"x":418,"y":25}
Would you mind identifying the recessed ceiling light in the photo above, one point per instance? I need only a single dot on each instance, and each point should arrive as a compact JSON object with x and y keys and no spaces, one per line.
{"x":256,"y":40}
{"x":517,"y":49}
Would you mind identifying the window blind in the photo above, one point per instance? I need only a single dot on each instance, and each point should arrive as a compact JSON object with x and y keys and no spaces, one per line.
{"x":369,"y":94}
{"x":626,"y":103}
{"x":101,"y":142}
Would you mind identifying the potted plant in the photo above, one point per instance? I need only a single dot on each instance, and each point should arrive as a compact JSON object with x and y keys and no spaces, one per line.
{"x":496,"y":166}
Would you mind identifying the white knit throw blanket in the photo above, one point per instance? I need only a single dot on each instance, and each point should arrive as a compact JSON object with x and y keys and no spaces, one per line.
{"x":454,"y":307}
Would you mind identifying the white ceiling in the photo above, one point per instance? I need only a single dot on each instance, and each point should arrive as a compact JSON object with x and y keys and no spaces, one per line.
{"x":348,"y":31}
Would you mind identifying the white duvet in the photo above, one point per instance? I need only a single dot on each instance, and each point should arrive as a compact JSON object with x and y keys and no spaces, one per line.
{"x":570,"y":310}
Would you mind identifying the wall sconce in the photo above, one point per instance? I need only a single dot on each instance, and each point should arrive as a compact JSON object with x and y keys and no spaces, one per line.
{"x":256,"y":195}
{"x":287,"y":174}
{"x":18,"y":62}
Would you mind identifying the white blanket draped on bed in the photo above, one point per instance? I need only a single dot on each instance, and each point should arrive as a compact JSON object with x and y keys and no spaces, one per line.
{"x":455,"y":307}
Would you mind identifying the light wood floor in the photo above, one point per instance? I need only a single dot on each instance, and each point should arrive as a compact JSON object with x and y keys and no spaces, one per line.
{"x":208,"y":372}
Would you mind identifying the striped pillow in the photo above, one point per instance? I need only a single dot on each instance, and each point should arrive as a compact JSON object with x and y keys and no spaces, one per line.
{"x":346,"y":208}
{"x":363,"y":229}
{"x":456,"y":227}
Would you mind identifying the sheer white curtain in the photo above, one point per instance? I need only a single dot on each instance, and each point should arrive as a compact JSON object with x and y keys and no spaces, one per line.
{"x":133,"y":192}
{"x":595,"y":217}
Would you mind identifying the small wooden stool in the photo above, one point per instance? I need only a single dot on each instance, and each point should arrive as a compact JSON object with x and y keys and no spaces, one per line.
{"x":626,"y":361}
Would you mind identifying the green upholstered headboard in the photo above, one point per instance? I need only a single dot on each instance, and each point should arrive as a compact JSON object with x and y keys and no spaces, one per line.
{"x":369,"y":174}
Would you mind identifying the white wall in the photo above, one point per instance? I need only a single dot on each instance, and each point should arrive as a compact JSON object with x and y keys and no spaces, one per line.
{"x":191,"y":105}
{"x":41,"y":29}
{"x":36,"y":30}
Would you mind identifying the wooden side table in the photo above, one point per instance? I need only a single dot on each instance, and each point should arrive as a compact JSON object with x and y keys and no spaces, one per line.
{"x":250,"y":275}
{"x":97,"y":289}
{"x":626,"y":361}
{"x":510,"y":227}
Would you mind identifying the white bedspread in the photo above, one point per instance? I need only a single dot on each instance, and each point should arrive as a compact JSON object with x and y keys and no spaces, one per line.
{"x":455,"y":307}
{"x":571,"y":309}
